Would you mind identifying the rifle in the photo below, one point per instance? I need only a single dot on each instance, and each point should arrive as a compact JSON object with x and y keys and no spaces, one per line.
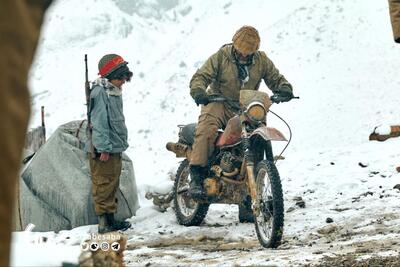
{"x":43,"y":125}
{"x":88,"y":107}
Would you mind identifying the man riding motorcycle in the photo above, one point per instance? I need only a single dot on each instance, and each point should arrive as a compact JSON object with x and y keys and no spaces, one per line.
{"x":236,"y":66}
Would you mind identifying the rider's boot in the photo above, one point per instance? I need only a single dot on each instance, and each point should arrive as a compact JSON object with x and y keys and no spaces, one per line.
{"x":196,"y":182}
{"x":181,"y":150}
{"x":117,"y":225}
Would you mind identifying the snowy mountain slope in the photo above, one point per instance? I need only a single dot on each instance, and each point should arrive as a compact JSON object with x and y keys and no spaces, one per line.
{"x":340,"y":58}
{"x":163,"y":53}
{"x":329,"y":63}
{"x":346,"y":60}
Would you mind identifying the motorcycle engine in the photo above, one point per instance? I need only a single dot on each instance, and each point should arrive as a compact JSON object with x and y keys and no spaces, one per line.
{"x":227,"y":162}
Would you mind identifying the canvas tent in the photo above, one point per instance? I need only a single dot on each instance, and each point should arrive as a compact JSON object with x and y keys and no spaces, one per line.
{"x":55,"y":186}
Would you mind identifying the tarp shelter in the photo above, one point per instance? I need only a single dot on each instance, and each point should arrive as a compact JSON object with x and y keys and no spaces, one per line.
{"x":55,"y":185}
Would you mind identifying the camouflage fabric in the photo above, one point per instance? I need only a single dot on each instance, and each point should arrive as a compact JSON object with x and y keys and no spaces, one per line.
{"x":20,"y":23}
{"x":220,"y":74}
{"x":394,"y":7}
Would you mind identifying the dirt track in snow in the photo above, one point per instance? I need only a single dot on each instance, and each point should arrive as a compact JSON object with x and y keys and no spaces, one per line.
{"x":375,"y":242}
{"x":205,"y":251}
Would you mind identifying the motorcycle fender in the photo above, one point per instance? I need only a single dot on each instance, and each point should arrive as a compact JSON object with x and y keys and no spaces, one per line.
{"x":268,"y":133}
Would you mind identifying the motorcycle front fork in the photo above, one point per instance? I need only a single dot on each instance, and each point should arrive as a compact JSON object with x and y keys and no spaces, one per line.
{"x":248,"y":164}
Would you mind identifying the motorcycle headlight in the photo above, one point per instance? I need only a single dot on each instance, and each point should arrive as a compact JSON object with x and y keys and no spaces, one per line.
{"x":256,"y":112}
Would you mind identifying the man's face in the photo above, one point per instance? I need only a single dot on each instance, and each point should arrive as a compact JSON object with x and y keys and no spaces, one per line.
{"x":242,"y":56}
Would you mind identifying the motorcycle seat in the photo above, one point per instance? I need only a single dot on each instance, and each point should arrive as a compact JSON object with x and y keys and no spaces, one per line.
{"x":186,"y":134}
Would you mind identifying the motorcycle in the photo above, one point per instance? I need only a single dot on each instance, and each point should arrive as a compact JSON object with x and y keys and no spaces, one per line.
{"x":241,"y":170}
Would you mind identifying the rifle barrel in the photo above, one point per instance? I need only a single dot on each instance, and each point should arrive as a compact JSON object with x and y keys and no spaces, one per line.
{"x":87,"y":92}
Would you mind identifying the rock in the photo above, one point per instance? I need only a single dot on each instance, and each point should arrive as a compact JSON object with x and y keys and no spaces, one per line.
{"x":368,"y":193}
{"x":363,"y":165}
{"x":327,"y":229}
{"x":397,"y":186}
{"x":290,"y":209}
{"x":363,"y":250}
{"x":329,"y":220}
{"x":300,"y":202}
{"x":162,"y":201}
{"x":340,"y":209}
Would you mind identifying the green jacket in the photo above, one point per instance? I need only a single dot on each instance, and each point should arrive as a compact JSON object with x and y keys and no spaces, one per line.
{"x":220,"y":74}
{"x":109,"y":132}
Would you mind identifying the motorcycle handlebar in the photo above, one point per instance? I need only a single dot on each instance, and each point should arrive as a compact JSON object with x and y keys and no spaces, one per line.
{"x":221,"y":99}
{"x":276,"y":101}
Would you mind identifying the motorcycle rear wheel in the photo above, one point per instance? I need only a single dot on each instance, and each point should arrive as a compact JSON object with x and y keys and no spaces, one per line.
{"x":188,"y":212}
{"x":269,"y":221}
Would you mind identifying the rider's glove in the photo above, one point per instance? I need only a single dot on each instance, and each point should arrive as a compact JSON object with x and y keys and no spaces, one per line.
{"x":284,"y":94}
{"x":201,"y":99}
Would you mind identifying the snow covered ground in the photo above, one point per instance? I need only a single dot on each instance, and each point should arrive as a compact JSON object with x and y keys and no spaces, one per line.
{"x":340,"y":58}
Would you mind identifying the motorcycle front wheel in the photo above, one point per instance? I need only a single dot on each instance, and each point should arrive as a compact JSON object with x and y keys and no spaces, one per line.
{"x":188,"y":211}
{"x":269,"y":220}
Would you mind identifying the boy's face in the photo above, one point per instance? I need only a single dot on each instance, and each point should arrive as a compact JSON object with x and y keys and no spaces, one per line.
{"x":118,"y":82}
